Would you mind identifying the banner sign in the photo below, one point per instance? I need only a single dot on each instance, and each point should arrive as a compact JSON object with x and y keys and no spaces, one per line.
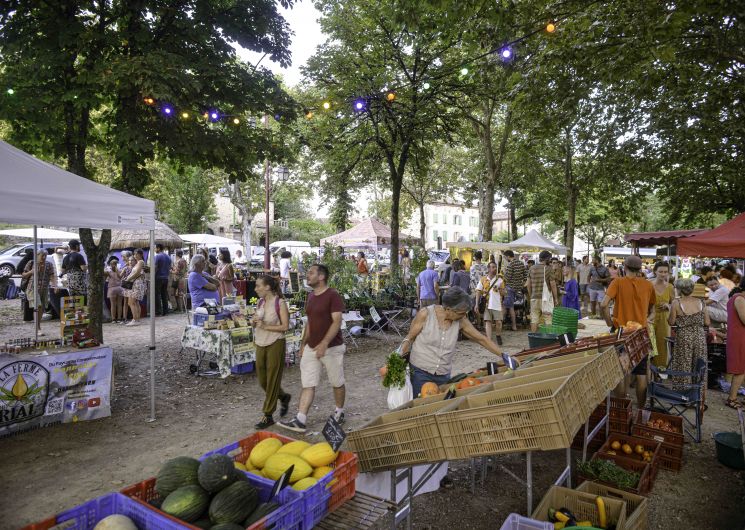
{"x":41,"y":390}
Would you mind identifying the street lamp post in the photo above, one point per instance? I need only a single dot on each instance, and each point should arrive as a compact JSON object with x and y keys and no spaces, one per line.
{"x":283,"y":174}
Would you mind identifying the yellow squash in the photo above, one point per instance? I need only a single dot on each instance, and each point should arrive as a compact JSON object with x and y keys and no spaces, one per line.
{"x":304,"y":484}
{"x":263,"y":450}
{"x":279,"y":463}
{"x":294,"y":448}
{"x":319,"y":455}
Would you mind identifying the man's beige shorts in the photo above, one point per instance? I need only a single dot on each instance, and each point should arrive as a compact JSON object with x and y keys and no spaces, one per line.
{"x":537,"y":316}
{"x":333,"y":361}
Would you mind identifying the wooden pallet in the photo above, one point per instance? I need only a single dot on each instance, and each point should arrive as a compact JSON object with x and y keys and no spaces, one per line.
{"x":361,"y":511}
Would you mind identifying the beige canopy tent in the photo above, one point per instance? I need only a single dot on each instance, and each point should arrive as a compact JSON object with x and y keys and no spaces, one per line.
{"x":534,"y":241}
{"x":366,"y":234}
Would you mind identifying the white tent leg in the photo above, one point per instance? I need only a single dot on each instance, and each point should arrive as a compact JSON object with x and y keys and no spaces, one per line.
{"x":151,"y":302}
{"x":35,"y":305}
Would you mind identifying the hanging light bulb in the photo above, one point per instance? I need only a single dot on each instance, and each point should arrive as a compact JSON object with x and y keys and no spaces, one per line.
{"x":390,"y":96}
{"x":236,"y":121}
{"x":309,"y":115}
{"x":426,"y":86}
{"x":149,"y":101}
{"x":359,"y":105}
{"x":214,"y":115}
{"x":506,"y":53}
{"x":464,"y":71}
{"x":11,"y":91}
{"x":185,"y":115}
{"x":167,"y":110}
{"x":550,"y":27}
{"x":326,"y":105}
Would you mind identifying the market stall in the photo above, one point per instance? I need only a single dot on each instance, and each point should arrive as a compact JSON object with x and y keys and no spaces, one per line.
{"x":52,"y":196}
{"x":369,"y":233}
{"x":725,"y":241}
{"x":534,"y":241}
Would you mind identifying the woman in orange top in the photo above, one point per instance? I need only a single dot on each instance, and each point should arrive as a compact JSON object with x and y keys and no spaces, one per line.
{"x":362,"y":263}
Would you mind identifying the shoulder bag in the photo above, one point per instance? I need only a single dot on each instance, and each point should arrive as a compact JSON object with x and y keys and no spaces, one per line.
{"x":547,"y":298}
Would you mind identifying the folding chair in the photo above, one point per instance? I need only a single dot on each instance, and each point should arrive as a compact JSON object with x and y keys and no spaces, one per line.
{"x":678,"y":401}
{"x":378,"y":323}
{"x":391,"y":315}
{"x":346,"y":334}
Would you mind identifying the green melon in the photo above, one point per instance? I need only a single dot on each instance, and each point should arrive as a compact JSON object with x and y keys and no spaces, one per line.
{"x":261,"y":511}
{"x":217,"y":472}
{"x":204,"y":524}
{"x":234,"y":503}
{"x":187,"y":503}
{"x":176,"y":473}
{"x":227,"y":526}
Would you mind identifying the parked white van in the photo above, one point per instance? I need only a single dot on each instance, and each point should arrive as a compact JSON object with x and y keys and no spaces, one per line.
{"x":294,"y":247}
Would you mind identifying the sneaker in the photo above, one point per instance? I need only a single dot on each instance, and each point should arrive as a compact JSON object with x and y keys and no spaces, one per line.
{"x":339,"y":417}
{"x":266,"y":421}
{"x":284,"y":405}
{"x":133,"y":323}
{"x":293,"y":425}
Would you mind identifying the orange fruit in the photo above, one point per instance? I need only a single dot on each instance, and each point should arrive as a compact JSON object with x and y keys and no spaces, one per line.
{"x":639,"y":449}
{"x":626,"y":448}
{"x":383,"y":371}
{"x":615,"y":445}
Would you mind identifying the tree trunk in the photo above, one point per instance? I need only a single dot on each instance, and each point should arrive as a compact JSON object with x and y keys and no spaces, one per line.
{"x":572,"y":193}
{"x":422,"y":225}
{"x":513,"y":221}
{"x":486,"y":208}
{"x":96,"y":255}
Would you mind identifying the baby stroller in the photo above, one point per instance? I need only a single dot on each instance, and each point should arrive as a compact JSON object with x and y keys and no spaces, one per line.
{"x":522,"y":310}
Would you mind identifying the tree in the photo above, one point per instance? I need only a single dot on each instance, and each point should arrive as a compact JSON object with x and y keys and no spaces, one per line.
{"x":184,"y":196}
{"x":373,"y":70}
{"x":83,"y":72}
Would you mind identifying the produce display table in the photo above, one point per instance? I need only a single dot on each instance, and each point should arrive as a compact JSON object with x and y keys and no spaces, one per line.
{"x":41,"y":388}
{"x":227,"y":348}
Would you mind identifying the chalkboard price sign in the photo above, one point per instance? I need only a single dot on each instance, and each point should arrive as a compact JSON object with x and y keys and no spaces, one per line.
{"x":282,"y":482}
{"x":334,"y":433}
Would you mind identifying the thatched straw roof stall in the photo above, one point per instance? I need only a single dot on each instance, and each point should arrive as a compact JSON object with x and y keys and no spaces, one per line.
{"x":141,"y":238}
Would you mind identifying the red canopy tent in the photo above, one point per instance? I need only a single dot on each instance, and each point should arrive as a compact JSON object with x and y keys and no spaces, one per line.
{"x":725,"y":241}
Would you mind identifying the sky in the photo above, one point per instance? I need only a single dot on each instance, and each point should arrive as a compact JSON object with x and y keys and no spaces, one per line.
{"x":303,"y":20}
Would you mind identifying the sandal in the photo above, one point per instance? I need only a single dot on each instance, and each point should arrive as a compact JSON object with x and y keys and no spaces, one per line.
{"x":733,"y":404}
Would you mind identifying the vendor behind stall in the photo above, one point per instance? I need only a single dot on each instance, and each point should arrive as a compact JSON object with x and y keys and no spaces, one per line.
{"x":202,"y":286}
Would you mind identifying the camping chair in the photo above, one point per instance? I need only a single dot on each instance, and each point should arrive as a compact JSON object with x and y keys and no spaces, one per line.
{"x":378,"y":322}
{"x":678,"y":401}
{"x":391,"y":315}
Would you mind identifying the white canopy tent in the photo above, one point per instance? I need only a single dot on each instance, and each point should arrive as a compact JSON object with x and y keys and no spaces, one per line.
{"x":41,"y":233}
{"x":37,"y":192}
{"x":533,"y":241}
{"x":208,"y":239}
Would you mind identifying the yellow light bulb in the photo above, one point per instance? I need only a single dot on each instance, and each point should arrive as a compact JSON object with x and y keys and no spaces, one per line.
{"x":326,"y":105}
{"x":550,"y":27}
{"x":391,"y":96}
{"x":185,"y":115}
{"x":236,"y":121}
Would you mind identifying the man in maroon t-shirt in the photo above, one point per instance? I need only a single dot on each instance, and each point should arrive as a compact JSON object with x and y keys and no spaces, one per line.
{"x":322,"y":347}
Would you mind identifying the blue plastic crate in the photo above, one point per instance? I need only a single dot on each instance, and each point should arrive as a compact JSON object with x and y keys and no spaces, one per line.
{"x":315,"y":500}
{"x":518,"y":522}
{"x":87,"y":515}
{"x":245,"y":368}
{"x":200,"y":318}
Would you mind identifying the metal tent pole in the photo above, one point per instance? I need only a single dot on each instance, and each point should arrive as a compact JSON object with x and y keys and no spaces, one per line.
{"x":36,"y":288}
{"x":151,"y":300}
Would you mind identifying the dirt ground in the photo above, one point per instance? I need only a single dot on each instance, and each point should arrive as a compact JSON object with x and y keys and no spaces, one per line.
{"x":46,"y":471}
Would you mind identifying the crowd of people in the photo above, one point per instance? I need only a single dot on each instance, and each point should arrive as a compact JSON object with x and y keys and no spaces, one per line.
{"x":682,"y":316}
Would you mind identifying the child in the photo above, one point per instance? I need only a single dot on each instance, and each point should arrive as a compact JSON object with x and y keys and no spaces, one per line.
{"x":571,"y":297}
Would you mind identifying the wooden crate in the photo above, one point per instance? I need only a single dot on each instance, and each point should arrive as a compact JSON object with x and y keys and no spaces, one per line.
{"x":637,"y":507}
{"x":671,"y":443}
{"x":648,"y":445}
{"x":645,"y":483}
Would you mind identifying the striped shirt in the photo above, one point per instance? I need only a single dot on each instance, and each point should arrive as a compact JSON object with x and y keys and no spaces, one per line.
{"x":515,"y":275}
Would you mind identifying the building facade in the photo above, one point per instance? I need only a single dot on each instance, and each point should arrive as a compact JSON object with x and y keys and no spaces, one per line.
{"x":452,"y":222}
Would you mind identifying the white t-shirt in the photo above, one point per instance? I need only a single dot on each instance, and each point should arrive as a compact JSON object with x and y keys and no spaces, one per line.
{"x":720,"y":297}
{"x":584,"y":273}
{"x":240,"y":260}
{"x":495,"y":299}
{"x":284,"y":267}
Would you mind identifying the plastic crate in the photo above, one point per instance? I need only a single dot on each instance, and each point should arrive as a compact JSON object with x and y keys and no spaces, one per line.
{"x":643,"y":487}
{"x":583,"y":506}
{"x":671,"y":443}
{"x":537,"y":340}
{"x":648,"y":445}
{"x":317,"y":500}
{"x":245,"y":368}
{"x":637,"y":507}
{"x":289,"y":515}
{"x":620,"y":409}
{"x":519,"y":522}
{"x":87,"y":515}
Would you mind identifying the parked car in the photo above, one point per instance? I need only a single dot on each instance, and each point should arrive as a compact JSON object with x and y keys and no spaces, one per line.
{"x":440,"y":257}
{"x":11,"y":256}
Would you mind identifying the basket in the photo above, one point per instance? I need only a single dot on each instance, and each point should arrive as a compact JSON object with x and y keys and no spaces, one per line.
{"x":289,"y":515}
{"x":648,"y":445}
{"x":671,"y":443}
{"x":583,"y":506}
{"x":518,"y":522}
{"x":317,"y":500}
{"x":566,"y":317}
{"x":557,"y":330}
{"x":637,"y":507}
{"x":644,"y":485}
{"x":729,"y":449}
{"x":87,"y":515}
{"x":537,"y":340}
